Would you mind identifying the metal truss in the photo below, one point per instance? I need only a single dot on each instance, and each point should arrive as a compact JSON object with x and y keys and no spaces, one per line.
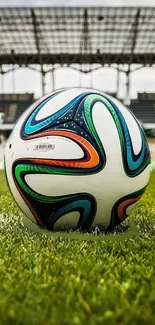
{"x":77,"y":36}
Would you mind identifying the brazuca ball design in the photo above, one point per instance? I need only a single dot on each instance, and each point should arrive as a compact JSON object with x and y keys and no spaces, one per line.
{"x":77,"y":158}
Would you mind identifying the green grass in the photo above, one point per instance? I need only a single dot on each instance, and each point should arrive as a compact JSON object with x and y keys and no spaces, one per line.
{"x":45,"y":280}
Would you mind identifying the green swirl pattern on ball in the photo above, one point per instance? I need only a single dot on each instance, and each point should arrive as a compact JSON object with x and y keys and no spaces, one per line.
{"x":133,"y":164}
{"x":58,"y":206}
{"x":23,"y":169}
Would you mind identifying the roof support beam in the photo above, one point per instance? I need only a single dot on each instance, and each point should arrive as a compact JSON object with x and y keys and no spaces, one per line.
{"x":127,"y":96}
{"x":135,"y":30}
{"x":135,"y":33}
{"x":85,"y":43}
{"x":43,"y":82}
{"x":118,"y":82}
{"x":36,"y":35}
{"x":85,"y":32}
{"x":37,"y":39}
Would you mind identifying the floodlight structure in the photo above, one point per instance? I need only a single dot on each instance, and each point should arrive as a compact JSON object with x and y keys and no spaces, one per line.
{"x":82,"y":38}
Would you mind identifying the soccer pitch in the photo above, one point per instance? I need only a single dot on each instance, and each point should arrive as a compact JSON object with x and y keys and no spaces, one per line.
{"x":46,"y":280}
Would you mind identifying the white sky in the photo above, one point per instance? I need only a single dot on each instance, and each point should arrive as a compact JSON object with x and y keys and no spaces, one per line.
{"x":113,"y":3}
{"x":104,"y":79}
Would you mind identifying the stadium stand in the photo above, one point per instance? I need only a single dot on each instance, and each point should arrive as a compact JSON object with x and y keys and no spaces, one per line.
{"x":1,"y":109}
{"x":14,"y":105}
{"x":144,"y":107}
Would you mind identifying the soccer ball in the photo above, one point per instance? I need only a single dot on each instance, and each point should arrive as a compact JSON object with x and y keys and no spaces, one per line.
{"x":77,"y":159}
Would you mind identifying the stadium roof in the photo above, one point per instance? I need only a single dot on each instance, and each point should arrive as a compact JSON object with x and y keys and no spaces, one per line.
{"x":103,"y":35}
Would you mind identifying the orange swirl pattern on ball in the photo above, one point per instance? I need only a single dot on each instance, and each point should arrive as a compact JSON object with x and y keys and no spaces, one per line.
{"x":123,"y":206}
{"x":91,"y":160}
